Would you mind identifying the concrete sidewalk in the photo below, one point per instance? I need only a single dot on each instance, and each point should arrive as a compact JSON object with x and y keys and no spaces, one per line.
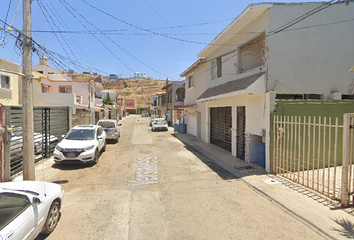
{"x":323,"y":215}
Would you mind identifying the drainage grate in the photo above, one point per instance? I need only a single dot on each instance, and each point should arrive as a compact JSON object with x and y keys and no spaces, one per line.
{"x":245,"y":168}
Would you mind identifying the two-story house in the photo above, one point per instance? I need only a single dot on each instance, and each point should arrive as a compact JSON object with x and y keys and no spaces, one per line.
{"x":174,"y":100}
{"x":270,"y":51}
{"x":52,"y":87}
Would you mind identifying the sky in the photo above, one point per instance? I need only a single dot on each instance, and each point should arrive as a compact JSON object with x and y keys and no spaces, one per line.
{"x":159,"y":38}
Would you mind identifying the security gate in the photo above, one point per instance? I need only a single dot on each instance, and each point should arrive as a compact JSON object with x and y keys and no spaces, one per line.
{"x":220,"y":127}
{"x":50,"y":123}
{"x":316,"y":152}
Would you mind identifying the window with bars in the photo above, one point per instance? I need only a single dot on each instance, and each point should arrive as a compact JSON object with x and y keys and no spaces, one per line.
{"x":216,"y":68}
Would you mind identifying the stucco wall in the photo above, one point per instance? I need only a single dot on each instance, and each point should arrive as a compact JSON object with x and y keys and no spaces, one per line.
{"x":11,"y":95}
{"x":311,"y":60}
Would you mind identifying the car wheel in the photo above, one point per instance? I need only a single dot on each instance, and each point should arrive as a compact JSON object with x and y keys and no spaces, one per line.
{"x":52,"y":218}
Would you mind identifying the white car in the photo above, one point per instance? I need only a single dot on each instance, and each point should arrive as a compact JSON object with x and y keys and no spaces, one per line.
{"x":28,"y":208}
{"x":83,"y":143}
{"x":159,"y":123}
{"x":111,"y":127}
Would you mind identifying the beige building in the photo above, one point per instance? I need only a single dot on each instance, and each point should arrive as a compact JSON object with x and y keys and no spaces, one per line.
{"x":10,"y":83}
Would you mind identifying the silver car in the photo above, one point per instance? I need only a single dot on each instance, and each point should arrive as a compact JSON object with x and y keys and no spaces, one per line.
{"x":111,"y":127}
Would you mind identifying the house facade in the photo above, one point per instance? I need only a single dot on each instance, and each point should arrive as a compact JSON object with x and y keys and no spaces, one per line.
{"x":262,"y":56}
{"x":10,"y":83}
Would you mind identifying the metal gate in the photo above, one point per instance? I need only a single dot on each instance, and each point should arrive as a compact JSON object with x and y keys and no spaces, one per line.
{"x":220,"y":127}
{"x":241,"y":127}
{"x":316,"y":152}
{"x":50,"y":123}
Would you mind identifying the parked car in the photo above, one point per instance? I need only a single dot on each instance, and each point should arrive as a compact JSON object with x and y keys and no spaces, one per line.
{"x":159,"y":123}
{"x":111,"y":127}
{"x":152,"y":118}
{"x":83,"y":143}
{"x":28,"y":208}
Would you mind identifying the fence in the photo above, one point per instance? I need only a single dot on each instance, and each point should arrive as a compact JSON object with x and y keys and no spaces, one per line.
{"x":309,"y":151}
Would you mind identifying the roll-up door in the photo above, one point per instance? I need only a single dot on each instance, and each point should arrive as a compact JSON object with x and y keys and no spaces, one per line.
{"x":220,"y":127}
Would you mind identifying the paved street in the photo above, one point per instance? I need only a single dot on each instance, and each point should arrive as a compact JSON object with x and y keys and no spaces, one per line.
{"x":149,"y":185}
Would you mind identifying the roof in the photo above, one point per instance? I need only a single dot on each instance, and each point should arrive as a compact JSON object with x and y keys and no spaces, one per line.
{"x":194,"y":65}
{"x":229,"y":87}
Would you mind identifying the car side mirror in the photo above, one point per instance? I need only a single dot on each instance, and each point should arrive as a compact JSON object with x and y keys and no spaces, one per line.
{"x":36,"y":200}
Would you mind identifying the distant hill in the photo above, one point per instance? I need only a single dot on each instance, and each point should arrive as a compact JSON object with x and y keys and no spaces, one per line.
{"x":139,"y":90}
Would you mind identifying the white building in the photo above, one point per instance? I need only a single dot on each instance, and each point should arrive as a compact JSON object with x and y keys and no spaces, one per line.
{"x":256,"y":59}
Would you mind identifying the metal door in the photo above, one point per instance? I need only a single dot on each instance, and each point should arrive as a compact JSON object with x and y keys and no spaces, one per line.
{"x":241,"y":127}
{"x":220,"y":127}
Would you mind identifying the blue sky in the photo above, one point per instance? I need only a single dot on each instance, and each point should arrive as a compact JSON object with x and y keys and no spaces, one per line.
{"x":121,"y":46}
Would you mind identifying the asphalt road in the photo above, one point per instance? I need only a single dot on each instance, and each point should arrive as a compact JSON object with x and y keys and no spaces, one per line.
{"x":149,"y":185}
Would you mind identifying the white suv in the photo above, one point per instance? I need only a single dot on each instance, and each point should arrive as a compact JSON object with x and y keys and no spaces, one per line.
{"x":82,"y":143}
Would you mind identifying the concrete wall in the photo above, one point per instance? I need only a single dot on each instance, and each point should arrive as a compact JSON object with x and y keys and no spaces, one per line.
{"x":311,"y":60}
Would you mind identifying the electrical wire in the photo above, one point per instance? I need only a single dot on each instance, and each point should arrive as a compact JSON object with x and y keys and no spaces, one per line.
{"x":167,"y":25}
{"x":80,"y":52}
{"x":112,"y":42}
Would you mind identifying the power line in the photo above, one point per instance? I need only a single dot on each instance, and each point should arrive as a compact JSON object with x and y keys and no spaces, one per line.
{"x":56,"y":58}
{"x":76,"y":45}
{"x":167,"y":25}
{"x":112,"y":41}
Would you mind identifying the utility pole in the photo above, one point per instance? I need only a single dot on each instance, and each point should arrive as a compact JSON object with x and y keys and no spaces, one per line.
{"x":27,"y":95}
{"x":167,"y":100}
{"x":89,"y":103}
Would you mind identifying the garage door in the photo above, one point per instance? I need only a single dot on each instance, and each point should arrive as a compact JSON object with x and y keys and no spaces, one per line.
{"x":220,"y":127}
{"x":192,"y":124}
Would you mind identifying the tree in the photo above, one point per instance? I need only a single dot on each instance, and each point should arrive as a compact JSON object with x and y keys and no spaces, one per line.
{"x":107,"y":100}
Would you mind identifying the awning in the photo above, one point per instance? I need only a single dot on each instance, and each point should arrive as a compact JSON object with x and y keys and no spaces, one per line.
{"x":230,"y":89}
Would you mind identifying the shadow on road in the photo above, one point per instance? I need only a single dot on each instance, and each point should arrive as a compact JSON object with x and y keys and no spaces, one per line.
{"x":70,"y":166}
{"x":347,"y":229}
{"x":224,"y":174}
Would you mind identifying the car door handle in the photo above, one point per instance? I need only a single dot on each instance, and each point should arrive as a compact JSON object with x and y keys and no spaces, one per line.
{"x":10,"y":235}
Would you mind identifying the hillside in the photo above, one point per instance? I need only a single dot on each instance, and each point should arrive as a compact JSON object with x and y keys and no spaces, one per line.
{"x":140,"y":90}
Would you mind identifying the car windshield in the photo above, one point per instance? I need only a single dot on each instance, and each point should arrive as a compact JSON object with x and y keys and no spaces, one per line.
{"x":107,"y":124}
{"x":160,"y":121}
{"x":81,"y":134}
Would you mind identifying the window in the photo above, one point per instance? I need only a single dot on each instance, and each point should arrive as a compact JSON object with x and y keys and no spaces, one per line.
{"x":5,"y":82}
{"x":252,"y":54}
{"x":45,"y":88}
{"x":11,"y":205}
{"x":65,"y":89}
{"x":216,"y":70}
{"x":190,"y":81}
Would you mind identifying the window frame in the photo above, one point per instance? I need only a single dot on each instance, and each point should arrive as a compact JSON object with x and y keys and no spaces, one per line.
{"x":9,"y":76}
{"x":216,"y":68}
{"x":190,"y":77}
{"x":45,"y":86}
{"x":65,"y":86}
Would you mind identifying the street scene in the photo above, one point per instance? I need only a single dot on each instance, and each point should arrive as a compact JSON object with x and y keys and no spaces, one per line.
{"x":176,"y":120}
{"x":183,"y":195}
